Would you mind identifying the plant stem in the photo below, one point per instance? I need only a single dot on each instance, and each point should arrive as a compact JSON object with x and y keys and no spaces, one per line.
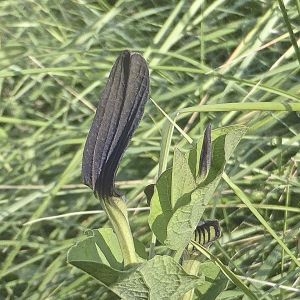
{"x":116,"y":210}
{"x":191,"y":266}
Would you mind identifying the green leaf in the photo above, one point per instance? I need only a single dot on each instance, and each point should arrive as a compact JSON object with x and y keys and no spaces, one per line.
{"x":99,"y":255}
{"x":183,"y":181}
{"x":215,"y":281}
{"x":226,"y":271}
{"x":140,"y":249}
{"x":158,"y":278}
{"x":182,"y":224}
{"x":180,"y":197}
{"x":161,"y":208}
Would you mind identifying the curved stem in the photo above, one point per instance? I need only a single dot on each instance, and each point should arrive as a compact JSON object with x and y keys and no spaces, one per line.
{"x":116,"y":210}
{"x":191,"y":266}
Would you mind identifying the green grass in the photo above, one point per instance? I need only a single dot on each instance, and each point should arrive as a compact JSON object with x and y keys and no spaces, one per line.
{"x":55,"y":58}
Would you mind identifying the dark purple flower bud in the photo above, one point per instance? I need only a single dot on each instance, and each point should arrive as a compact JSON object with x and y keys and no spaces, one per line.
{"x":206,"y":153}
{"x":118,"y":114}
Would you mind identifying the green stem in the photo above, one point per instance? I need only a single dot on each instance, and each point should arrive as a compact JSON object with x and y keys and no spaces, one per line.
{"x":191,"y":266}
{"x":116,"y":210}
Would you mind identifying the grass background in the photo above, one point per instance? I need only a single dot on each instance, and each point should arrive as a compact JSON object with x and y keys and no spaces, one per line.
{"x":55,"y":58}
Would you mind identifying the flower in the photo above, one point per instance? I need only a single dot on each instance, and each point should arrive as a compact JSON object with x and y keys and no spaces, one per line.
{"x":118,"y":114}
{"x":206,"y":153}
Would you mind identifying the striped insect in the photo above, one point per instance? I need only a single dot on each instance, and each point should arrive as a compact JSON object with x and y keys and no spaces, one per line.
{"x":205,"y":234}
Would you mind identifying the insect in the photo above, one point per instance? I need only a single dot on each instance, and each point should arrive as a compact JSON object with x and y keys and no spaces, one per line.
{"x":205,"y":233}
{"x":118,"y":114}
